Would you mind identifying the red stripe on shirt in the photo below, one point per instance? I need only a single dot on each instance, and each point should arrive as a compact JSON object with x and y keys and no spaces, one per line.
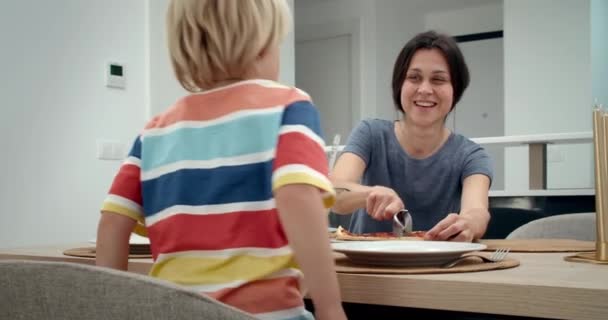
{"x":297,"y":148}
{"x":201,"y":107}
{"x":127,"y":183}
{"x":183,"y":232}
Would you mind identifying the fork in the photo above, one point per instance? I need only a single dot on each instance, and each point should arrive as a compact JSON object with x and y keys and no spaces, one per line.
{"x":334,"y":151}
{"x":496,"y":256}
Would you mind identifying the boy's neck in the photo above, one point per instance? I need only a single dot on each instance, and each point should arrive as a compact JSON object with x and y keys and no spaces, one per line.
{"x":227,"y":82}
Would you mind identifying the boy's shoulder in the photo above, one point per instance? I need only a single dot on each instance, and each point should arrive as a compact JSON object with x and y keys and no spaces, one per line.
{"x":277,"y":92}
{"x":249,"y":94}
{"x":281,"y":91}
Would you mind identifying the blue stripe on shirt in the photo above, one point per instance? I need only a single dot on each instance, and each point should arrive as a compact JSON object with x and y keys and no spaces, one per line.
{"x":196,"y":187}
{"x":136,"y":148}
{"x":249,"y":134}
{"x":303,"y":113}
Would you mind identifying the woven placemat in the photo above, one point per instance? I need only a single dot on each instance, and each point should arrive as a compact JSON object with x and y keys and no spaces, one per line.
{"x":472,"y":264}
{"x":539,"y":245}
{"x":89,"y":252}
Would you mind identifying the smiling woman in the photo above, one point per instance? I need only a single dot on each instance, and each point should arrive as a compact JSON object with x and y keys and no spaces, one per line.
{"x":427,"y":93}
{"x":417,"y":163}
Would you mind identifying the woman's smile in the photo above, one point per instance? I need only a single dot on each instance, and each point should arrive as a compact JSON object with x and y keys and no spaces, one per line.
{"x":425,"y":103}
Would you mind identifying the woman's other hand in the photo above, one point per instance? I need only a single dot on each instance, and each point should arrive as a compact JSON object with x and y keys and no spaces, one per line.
{"x":474,"y":216}
{"x":454,"y":227}
{"x":382,"y":203}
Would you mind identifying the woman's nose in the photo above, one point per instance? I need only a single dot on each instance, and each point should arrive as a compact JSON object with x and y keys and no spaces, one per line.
{"x":425,"y":87}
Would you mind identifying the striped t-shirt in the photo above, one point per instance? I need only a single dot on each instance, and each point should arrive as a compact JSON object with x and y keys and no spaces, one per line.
{"x":201,"y":176}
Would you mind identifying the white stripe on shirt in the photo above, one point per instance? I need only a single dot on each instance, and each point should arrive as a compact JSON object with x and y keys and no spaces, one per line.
{"x":288,"y":128}
{"x":124,"y":202}
{"x":252,"y":206}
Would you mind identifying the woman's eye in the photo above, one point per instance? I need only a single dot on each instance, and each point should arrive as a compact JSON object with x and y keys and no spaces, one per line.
{"x":413,"y":77}
{"x":439,"y":80}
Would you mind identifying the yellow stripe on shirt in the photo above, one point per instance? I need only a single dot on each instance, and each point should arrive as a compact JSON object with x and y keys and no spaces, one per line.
{"x":139,"y":228}
{"x":329,"y":195}
{"x":191,"y":270}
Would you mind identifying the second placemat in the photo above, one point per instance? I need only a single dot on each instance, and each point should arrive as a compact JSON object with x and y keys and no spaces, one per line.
{"x":472,"y":264}
{"x":539,"y":245}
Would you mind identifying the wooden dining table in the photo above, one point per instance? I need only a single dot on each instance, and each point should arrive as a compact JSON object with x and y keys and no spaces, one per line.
{"x":544,"y":285}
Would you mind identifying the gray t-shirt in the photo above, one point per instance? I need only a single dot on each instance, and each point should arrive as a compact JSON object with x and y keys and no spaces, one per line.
{"x":430,"y":188}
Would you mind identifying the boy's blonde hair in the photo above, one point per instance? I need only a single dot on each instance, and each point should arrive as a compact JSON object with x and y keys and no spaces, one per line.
{"x":215,"y":40}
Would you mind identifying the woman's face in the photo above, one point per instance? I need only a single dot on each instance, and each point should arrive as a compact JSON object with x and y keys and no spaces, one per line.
{"x":427,"y":92}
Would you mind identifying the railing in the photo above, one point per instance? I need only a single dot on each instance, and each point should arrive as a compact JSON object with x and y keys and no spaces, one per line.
{"x":537,"y":154}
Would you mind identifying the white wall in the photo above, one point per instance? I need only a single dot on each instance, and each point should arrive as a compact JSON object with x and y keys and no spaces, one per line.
{"x":599,"y":50}
{"x":548,"y":86}
{"x":55,"y":106}
{"x":164,"y":89}
{"x":487,"y":17}
{"x":360,"y":12}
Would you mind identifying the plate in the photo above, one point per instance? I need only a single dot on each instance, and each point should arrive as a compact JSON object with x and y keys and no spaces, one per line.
{"x":406,"y":253}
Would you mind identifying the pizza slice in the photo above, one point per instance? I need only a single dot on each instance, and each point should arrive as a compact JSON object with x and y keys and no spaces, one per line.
{"x":343,"y":234}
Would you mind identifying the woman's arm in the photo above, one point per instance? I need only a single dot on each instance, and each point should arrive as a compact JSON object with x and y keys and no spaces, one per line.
{"x":474,"y":216}
{"x":474,"y":203}
{"x":345,"y":176}
{"x":380,"y":202}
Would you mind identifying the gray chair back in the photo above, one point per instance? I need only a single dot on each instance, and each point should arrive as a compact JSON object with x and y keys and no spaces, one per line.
{"x":577,"y":226}
{"x":61,"y":290}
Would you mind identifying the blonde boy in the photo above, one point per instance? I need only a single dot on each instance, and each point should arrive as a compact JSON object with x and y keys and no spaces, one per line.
{"x":231,"y":181}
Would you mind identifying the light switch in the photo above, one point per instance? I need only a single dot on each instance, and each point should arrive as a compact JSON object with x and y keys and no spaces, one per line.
{"x":111,"y":150}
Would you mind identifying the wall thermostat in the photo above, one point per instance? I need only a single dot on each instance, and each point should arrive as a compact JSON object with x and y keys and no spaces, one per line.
{"x":115,"y":75}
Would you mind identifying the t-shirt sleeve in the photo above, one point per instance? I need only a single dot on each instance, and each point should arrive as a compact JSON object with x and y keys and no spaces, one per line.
{"x":124,"y":196}
{"x":300,"y":154}
{"x":478,"y":161}
{"x":359,"y":141}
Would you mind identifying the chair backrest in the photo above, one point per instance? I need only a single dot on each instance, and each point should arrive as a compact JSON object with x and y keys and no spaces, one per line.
{"x":577,"y":226}
{"x":60,"y":290}
{"x":504,"y":220}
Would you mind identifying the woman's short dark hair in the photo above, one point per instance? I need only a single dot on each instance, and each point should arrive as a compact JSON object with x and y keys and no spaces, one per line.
{"x":459,"y":72}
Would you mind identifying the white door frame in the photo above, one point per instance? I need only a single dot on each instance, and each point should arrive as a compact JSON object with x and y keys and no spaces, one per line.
{"x":352,"y":28}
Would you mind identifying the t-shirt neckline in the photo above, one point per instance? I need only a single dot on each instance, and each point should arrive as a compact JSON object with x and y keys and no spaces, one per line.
{"x":408,"y":156}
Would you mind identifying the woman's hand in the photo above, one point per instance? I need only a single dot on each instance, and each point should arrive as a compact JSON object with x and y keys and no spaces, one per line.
{"x":474,"y":216}
{"x":383,"y":203}
{"x":454,"y":227}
